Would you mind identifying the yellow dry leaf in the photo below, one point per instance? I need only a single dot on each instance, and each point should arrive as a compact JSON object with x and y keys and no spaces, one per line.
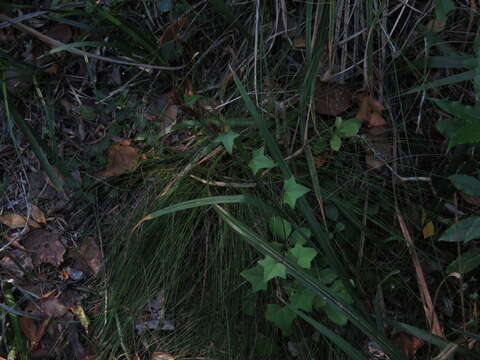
{"x":15,"y":221}
{"x":428,"y":230}
{"x":121,"y":158}
{"x":82,"y":316}
{"x":38,"y":215}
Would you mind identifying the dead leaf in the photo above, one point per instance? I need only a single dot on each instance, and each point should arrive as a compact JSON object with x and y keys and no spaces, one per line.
{"x":332,"y":99}
{"x":91,"y":255}
{"x":299,"y":42}
{"x":378,"y":148}
{"x":45,"y":246}
{"x":21,"y":258}
{"x":369,"y":111}
{"x":82,"y":316}
{"x":52,"y":307}
{"x":320,"y":160}
{"x":172,"y":30}
{"x":32,"y":329}
{"x":163,"y":111}
{"x":428,"y":230}
{"x":38,"y":215}
{"x":15,"y":221}
{"x":60,"y":32}
{"x":121,"y":158}
{"x":407,"y":343}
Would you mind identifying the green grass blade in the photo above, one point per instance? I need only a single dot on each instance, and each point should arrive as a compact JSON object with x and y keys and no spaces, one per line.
{"x":449,"y":80}
{"x":329,"y":334}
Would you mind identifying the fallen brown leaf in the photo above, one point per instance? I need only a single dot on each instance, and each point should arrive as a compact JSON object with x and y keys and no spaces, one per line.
{"x":52,"y":307}
{"x":369,"y":111}
{"x":15,"y":221}
{"x":163,"y":111}
{"x":21,"y":258}
{"x":332,"y":99}
{"x":407,"y":343}
{"x":91,"y":254}
{"x":320,"y":160}
{"x":45,"y":247}
{"x":435,"y":25}
{"x":299,"y":42}
{"x":38,"y":215}
{"x":60,"y":32}
{"x":121,"y":158}
{"x":31,"y":328}
{"x":472,"y":200}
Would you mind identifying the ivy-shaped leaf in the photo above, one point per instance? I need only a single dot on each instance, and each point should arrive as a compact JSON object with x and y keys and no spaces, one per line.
{"x":255,"y":277}
{"x":282,"y":317}
{"x":302,"y":299}
{"x":339,"y":288}
{"x":227,"y":140}
{"x":272,"y":268}
{"x":301,"y":235}
{"x":293,"y":191}
{"x":260,"y":161}
{"x":303,"y":255}
{"x":463,"y":231}
{"x":334,"y":315}
{"x":280,"y":227}
{"x":327,"y":276}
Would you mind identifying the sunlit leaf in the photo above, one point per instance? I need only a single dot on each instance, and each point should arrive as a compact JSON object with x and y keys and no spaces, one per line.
{"x":349,"y":127}
{"x":335,"y":142}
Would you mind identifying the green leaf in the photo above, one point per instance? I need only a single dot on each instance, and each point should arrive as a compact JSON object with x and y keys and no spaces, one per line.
{"x":303,"y":255}
{"x":334,"y":315}
{"x":457,"y":109}
{"x":463,"y":231}
{"x":164,"y":5}
{"x":272,"y":268}
{"x":280,"y":227}
{"x":293,"y":191}
{"x":335,"y":142}
{"x":468,"y":184}
{"x":88,"y":113}
{"x":327,"y":276}
{"x":466,"y":262}
{"x":260,"y":161}
{"x":227,"y":140}
{"x":282,"y":317}
{"x":303,"y":299}
{"x":442,"y":8}
{"x":468,"y":134}
{"x":449,"y":127}
{"x":339,"y":288}
{"x":190,"y":100}
{"x":255,"y":277}
{"x":349,"y":128}
{"x":301,"y":235}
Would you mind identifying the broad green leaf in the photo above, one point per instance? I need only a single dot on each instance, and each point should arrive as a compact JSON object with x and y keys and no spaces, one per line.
{"x":349,"y":128}
{"x":293,"y":191}
{"x":468,"y":134}
{"x":466,"y":262}
{"x":302,"y":299}
{"x":449,"y":127}
{"x":442,"y":8}
{"x":260,"y":161}
{"x":87,"y":112}
{"x":335,"y":142}
{"x":457,"y":109}
{"x":272,"y":268}
{"x":164,"y":5}
{"x":255,"y":277}
{"x":282,"y":317}
{"x":468,"y":184}
{"x":327,"y":276}
{"x":463,"y":231}
{"x":341,"y":291}
{"x":190,"y":100}
{"x":303,"y":255}
{"x":334,"y":315}
{"x":301,"y":235}
{"x":227,"y":140}
{"x":280,"y":227}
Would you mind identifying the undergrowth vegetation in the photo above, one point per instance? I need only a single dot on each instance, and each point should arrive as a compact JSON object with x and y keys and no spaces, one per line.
{"x":265,"y":179}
